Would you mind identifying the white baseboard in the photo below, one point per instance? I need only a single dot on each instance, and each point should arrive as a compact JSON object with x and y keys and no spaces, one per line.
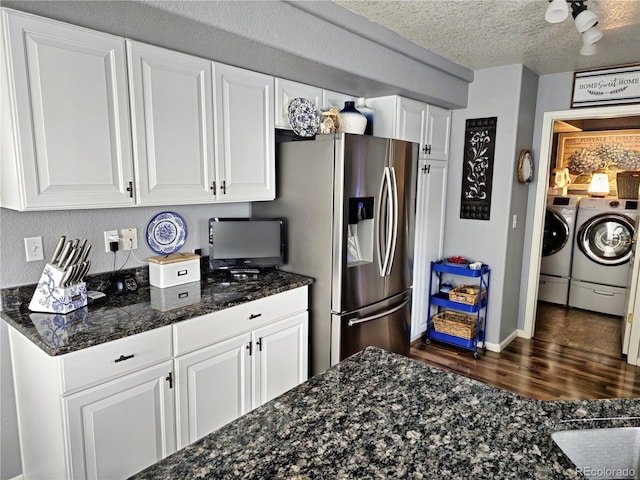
{"x":498,"y":347}
{"x":18,"y":477}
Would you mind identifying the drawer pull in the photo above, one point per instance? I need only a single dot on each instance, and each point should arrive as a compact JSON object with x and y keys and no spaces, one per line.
{"x":183,"y":295}
{"x":606,"y":294}
{"x":182,"y":273}
{"x":123,"y":358}
{"x":254,"y":315}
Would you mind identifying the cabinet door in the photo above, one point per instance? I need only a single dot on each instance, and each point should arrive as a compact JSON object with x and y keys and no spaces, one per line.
{"x":282,"y":357}
{"x":172,"y":116}
{"x":214,"y":387}
{"x":412,"y":121}
{"x":70,"y":111}
{"x":438,"y":132}
{"x":286,"y":91}
{"x":430,"y":211}
{"x":123,"y":426}
{"x":335,"y":99}
{"x":245,"y":143}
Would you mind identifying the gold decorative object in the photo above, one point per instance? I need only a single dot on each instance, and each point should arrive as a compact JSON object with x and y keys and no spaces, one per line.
{"x":331,"y":121}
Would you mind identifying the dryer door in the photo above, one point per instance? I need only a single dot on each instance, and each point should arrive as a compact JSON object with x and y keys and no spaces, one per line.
{"x":606,"y":239}
{"x":556,"y":233}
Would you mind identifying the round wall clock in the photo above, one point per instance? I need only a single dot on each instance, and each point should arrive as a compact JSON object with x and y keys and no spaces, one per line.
{"x":525,"y":167}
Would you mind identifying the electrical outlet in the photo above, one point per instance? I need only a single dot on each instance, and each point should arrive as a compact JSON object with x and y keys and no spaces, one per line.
{"x":109,"y":236}
{"x":33,"y":249}
{"x":129,"y":238}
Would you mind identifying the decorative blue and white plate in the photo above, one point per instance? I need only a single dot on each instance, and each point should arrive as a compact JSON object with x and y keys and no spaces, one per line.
{"x":304,"y":117}
{"x":166,"y":233}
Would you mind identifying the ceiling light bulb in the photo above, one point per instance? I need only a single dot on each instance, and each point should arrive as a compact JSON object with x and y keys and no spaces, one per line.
{"x":591,"y":36}
{"x":590,"y":49}
{"x":585,"y":20}
{"x":557,"y":11}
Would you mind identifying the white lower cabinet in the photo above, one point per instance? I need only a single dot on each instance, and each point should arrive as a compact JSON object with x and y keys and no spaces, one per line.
{"x":214,"y":387}
{"x":239,"y":371}
{"x":103,"y":412}
{"x":123,"y":426}
{"x":281,"y":359}
{"x":111,"y":410}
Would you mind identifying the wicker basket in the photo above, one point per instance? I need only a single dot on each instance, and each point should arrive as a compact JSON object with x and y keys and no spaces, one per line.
{"x":627,"y":184}
{"x":455,"y":323}
{"x":467,"y":294}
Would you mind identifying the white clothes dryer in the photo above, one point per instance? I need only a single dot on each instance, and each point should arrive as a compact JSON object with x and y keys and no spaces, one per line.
{"x":603,"y":248}
{"x":557,"y":248}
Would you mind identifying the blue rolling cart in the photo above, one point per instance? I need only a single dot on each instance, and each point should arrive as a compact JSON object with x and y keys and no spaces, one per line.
{"x":444,"y":305}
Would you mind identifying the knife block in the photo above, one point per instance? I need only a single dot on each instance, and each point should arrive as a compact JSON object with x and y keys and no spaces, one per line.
{"x":50,"y":297}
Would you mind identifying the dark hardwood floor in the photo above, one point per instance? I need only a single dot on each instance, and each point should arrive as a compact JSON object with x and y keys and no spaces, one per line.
{"x":574,"y":355}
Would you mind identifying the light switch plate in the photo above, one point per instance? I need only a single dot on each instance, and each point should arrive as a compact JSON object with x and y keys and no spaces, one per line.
{"x":33,"y":249}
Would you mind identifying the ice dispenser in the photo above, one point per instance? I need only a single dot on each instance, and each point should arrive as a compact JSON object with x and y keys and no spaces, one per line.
{"x":360,"y":230}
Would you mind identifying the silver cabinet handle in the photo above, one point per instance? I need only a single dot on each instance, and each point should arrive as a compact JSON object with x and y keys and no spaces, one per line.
{"x":606,"y":294}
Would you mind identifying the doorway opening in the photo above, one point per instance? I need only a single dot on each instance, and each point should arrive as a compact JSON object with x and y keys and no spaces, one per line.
{"x":592,"y":119}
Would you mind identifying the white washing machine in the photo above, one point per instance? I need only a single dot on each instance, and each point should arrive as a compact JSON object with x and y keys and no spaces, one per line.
{"x":601,"y":259}
{"x":557,"y":248}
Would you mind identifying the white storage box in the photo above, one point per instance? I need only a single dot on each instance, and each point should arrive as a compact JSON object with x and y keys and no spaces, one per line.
{"x":169,"y":298}
{"x":174,"y":269}
{"x":553,"y":289}
{"x":598,"y":298}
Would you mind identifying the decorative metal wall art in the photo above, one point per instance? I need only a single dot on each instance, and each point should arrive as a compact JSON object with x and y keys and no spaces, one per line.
{"x":477,"y":172}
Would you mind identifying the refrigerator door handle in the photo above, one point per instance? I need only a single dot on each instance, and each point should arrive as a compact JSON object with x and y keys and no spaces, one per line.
{"x":385,"y":190}
{"x":394,"y":228}
{"x":351,"y":323}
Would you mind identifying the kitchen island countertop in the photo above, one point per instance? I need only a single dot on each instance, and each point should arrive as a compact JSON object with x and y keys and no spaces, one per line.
{"x":381,"y":415}
{"x":119,"y":316}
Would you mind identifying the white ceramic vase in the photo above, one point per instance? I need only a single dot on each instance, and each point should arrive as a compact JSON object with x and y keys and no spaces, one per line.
{"x":351,"y":120}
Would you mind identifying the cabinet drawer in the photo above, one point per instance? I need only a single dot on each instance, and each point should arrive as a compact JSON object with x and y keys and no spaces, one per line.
{"x":202,"y":331}
{"x":93,"y":365}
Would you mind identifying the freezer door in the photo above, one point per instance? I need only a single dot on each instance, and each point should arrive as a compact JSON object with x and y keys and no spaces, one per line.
{"x":386,"y":324}
{"x":374,"y":207}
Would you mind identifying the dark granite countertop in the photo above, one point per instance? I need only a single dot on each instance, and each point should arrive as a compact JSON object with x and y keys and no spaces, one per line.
{"x":381,"y":415}
{"x":119,"y":316}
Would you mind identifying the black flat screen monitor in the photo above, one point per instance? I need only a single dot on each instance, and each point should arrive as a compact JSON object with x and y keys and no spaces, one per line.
{"x":246,"y":244}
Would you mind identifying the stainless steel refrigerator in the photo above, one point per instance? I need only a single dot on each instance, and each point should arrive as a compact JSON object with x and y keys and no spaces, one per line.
{"x":349,"y":201}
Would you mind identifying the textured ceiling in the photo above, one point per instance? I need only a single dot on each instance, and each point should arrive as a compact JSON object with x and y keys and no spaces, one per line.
{"x":489,"y":33}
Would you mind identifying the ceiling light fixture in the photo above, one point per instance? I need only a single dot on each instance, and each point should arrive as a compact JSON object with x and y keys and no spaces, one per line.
{"x":584,"y":19}
{"x":557,"y":11}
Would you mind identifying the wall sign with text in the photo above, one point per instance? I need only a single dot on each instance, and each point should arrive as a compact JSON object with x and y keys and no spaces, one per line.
{"x":613,"y":86}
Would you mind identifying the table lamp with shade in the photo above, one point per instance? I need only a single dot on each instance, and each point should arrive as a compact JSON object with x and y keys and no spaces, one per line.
{"x":599,"y":186}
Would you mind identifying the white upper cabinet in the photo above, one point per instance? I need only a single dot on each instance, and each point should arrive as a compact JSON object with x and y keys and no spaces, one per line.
{"x":286,"y":90}
{"x":335,"y":99}
{"x":172,"y":122}
{"x":194,"y":131}
{"x":438,"y":133}
{"x":406,"y":119}
{"x":245,"y":135}
{"x":65,"y":100}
